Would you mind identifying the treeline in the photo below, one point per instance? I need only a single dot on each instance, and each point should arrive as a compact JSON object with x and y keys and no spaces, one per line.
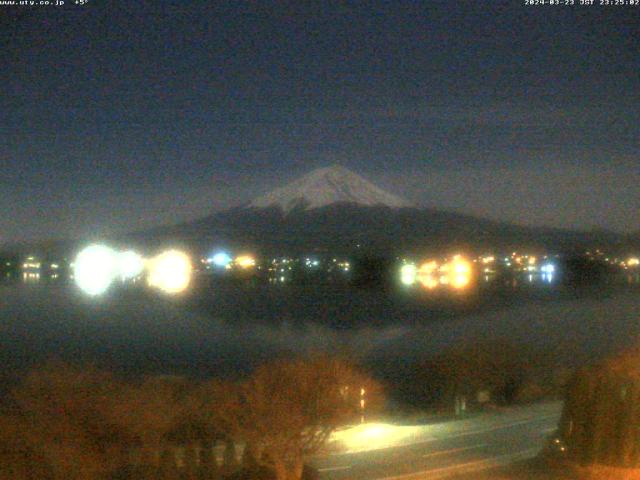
{"x":63,"y":422}
{"x":481,"y":374}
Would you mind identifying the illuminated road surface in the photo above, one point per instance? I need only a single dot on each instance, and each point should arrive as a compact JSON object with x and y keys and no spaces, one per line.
{"x":442,"y":450}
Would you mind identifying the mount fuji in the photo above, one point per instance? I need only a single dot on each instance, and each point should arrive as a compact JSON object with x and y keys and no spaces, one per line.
{"x":334,"y":209}
{"x":327,"y":186}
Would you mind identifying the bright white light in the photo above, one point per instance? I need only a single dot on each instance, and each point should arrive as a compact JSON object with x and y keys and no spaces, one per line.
{"x":548,"y":268}
{"x":221,"y":259}
{"x":170,"y":271}
{"x":95,"y":268}
{"x":130,"y":265}
{"x":408,"y":274}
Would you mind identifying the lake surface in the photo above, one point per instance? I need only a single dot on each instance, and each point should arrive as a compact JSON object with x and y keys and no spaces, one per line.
{"x":227,"y":331}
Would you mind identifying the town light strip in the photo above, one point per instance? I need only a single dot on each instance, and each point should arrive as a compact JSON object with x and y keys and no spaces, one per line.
{"x":96,"y":267}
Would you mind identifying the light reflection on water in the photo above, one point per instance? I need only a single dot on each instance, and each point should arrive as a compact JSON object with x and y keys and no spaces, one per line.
{"x":150,"y":333}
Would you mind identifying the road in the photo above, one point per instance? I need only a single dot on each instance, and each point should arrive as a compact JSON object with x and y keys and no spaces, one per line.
{"x":407,"y":452}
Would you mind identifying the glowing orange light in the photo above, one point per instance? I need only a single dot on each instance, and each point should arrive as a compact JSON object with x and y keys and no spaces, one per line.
{"x":245,"y":261}
{"x":460,"y":281}
{"x":458,"y":272}
{"x":427,"y":274}
{"x":429,"y":282}
{"x":428,"y":268}
{"x":461,"y":267}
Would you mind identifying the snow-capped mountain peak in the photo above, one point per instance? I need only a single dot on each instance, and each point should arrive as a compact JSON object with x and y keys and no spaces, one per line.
{"x":326,"y":186}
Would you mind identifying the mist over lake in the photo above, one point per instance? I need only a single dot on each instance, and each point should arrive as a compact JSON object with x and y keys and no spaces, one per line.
{"x":219,"y":333}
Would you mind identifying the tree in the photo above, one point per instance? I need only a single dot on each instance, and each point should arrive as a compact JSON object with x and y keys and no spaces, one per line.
{"x":84,"y":423}
{"x":65,"y":412}
{"x":69,"y":423}
{"x":499,"y":368}
{"x":600,"y":423}
{"x":148,"y":412}
{"x":289,"y":408}
{"x":209,"y":413}
{"x":20,"y":458}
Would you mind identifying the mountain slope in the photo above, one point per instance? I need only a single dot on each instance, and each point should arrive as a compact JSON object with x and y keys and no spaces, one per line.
{"x":327,"y":186}
{"x":334,"y":209}
{"x":341,"y":227}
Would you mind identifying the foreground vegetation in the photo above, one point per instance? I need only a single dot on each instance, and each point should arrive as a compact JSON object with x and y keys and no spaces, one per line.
{"x":81,"y":423}
{"x":65,"y":422}
{"x":599,"y":433}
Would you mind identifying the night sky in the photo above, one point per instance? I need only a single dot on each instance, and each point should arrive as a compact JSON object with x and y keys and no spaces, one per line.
{"x":122,"y":115}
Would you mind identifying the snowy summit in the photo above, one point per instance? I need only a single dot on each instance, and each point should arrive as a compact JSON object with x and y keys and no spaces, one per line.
{"x":326,"y":186}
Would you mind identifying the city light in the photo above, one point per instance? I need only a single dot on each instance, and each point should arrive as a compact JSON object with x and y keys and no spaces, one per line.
{"x":170,"y":271}
{"x":459,"y":272}
{"x":344,"y":266}
{"x":456,"y":273}
{"x":130,"y":265}
{"x":633,"y":262}
{"x":408,"y":274}
{"x":245,"y":261}
{"x":548,"y":268}
{"x":221,"y":259}
{"x":95,"y":268}
{"x":427,"y":274}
